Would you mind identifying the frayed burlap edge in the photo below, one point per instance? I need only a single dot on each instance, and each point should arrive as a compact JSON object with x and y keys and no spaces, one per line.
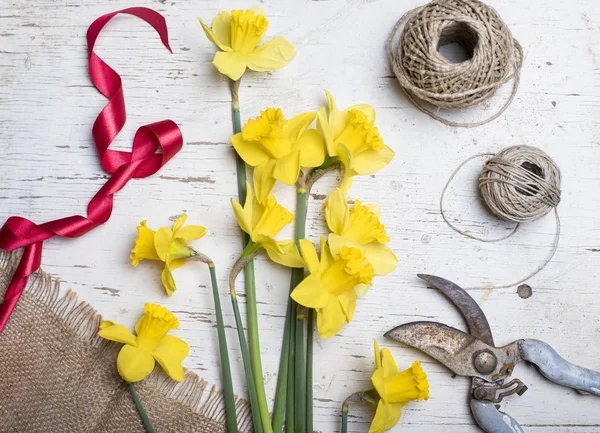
{"x":83,"y":320}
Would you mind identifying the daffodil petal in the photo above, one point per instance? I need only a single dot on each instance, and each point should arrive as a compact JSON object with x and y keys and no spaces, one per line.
{"x":309,"y":254}
{"x":287,"y":168}
{"x":134,"y":364}
{"x":326,"y":130}
{"x":252,"y":153}
{"x":381,"y":257}
{"x":286,"y":254}
{"x":379,"y":420}
{"x":330,"y":319}
{"x":311,"y":293}
{"x":170,"y":353}
{"x":336,"y":243}
{"x":191,"y":233}
{"x":346,"y":182}
{"x":377,"y":354}
{"x":271,"y":56}
{"x":241,"y":216}
{"x":337,"y":212}
{"x":311,"y":148}
{"x":179,"y":222}
{"x":296,"y":126}
{"x":263,"y":179}
{"x":346,"y":158}
{"x":361,"y":289}
{"x":176,"y":264}
{"x":326,"y":257}
{"x":337,"y":119}
{"x":119,"y":333}
{"x":221,"y":27}
{"x":393,"y":414}
{"x":167,"y":280}
{"x":387,"y":363}
{"x":371,"y":161}
{"x":377,"y":378}
{"x":213,"y":37}
{"x":386,"y":417}
{"x":347,"y":301}
{"x":162,"y":242}
{"x":231,"y":64}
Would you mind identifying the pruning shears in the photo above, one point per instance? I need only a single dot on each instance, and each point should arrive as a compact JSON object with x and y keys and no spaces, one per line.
{"x":475,"y":355}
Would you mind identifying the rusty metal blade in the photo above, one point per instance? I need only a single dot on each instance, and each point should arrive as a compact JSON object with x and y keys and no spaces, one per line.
{"x":476,"y":320}
{"x":453,"y":348}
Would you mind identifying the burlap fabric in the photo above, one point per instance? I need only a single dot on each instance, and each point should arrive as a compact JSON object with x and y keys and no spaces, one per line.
{"x":57,"y":376}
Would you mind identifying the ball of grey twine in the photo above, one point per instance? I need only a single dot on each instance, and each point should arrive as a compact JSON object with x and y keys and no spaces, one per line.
{"x":519,"y":184}
{"x":426,"y":75}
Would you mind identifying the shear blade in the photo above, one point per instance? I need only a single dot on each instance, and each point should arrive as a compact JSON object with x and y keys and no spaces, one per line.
{"x":448,"y":345}
{"x":476,"y":320}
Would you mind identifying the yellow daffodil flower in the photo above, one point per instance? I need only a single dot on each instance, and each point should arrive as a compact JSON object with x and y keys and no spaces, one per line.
{"x":137,"y":357}
{"x":277,"y":148}
{"x":352,"y":137}
{"x":360,"y":228}
{"x":238,"y":34}
{"x":262,"y":222}
{"x":395,"y":389}
{"x":166,"y":245}
{"x":332,"y":284}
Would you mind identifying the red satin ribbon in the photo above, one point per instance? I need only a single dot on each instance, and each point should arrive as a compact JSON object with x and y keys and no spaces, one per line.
{"x":142,"y":161}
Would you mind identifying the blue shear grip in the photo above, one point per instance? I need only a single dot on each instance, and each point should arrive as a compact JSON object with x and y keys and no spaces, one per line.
{"x":557,"y":369}
{"x":491,"y":420}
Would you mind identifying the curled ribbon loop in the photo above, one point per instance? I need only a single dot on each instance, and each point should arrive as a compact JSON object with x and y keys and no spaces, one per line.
{"x":143,"y":160}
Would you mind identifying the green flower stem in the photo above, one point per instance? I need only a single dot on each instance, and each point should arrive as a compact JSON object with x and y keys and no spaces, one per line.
{"x":345,"y":417}
{"x":309,"y":369}
{"x":300,"y":373}
{"x":247,"y":367}
{"x":141,"y":410}
{"x":249,"y":277}
{"x":254,"y":342}
{"x":297,"y":277}
{"x":290,"y":407}
{"x":225,"y":364}
{"x":282,"y":376}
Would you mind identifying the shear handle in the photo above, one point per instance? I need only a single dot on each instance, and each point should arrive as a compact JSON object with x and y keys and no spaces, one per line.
{"x":557,"y":369}
{"x":491,"y":420}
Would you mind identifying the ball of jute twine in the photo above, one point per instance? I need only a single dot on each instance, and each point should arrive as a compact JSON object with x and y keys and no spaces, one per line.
{"x":519,"y":184}
{"x":426,"y":75}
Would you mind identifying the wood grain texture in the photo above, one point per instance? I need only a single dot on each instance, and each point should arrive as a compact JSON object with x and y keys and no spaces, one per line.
{"x":49,"y":169}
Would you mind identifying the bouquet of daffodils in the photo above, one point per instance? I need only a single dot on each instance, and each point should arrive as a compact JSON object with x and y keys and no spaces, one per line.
{"x":326,"y":282}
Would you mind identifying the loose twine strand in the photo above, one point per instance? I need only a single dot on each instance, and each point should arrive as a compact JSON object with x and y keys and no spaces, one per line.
{"x":519,"y":184}
{"x":426,"y":75}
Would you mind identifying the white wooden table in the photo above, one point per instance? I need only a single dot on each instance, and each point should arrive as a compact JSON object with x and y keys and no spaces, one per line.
{"x":49,"y":169}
